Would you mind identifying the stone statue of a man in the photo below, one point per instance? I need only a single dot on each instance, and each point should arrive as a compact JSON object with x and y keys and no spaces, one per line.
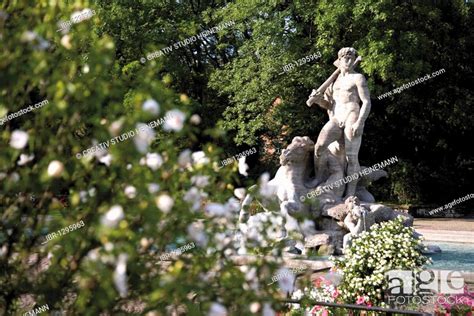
{"x":348,"y":103}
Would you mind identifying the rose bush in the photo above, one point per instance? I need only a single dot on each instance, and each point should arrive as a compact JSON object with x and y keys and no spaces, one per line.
{"x":140,"y":196}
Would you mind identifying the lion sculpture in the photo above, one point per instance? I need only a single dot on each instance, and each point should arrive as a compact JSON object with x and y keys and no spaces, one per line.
{"x":286,"y":187}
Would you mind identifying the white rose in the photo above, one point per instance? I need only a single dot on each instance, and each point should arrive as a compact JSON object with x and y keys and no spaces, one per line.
{"x":243,"y":167}
{"x":55,"y":169}
{"x":144,"y":137}
{"x":106,"y":160}
{"x":216,"y":209}
{"x":174,"y":120}
{"x":130,"y":191}
{"x":28,"y":36}
{"x":199,"y":157}
{"x":200,"y":181}
{"x":195,"y":119}
{"x":18,"y":139}
{"x":184,"y":158}
{"x":113,"y":216}
{"x":165,"y":203}
{"x":254,"y":307}
{"x":66,"y":41}
{"x":240,"y":193}
{"x":153,"y":161}
{"x":24,"y":159}
{"x":217,"y":310}
{"x":115,"y":127}
{"x":153,"y":187}
{"x":151,"y":106}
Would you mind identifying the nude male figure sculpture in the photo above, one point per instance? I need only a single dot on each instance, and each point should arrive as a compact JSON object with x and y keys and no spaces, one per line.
{"x":348,"y":103}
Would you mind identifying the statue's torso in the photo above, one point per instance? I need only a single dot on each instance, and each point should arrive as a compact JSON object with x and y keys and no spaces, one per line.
{"x":346,"y":97}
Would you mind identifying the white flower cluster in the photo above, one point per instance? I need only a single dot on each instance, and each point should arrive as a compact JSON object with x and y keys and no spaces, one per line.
{"x":228,"y":210}
{"x":113,"y":216}
{"x":387,"y":246}
{"x":196,"y":231}
{"x":194,"y":196}
{"x":223,"y":217}
{"x":324,"y":290}
{"x":262,"y":228}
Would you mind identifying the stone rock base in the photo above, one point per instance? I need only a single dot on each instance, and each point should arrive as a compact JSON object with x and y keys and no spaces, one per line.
{"x":325,"y":243}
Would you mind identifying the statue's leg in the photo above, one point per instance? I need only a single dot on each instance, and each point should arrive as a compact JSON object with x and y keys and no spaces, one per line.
{"x":329,"y":133}
{"x":352,"y":146}
{"x":336,"y":176}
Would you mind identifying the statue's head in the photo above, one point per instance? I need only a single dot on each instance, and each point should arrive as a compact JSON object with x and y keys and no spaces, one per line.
{"x":352,"y":201}
{"x":297,"y":151}
{"x":355,"y":208}
{"x":346,"y":57}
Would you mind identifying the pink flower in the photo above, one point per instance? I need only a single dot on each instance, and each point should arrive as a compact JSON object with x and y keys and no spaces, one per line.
{"x":445,"y":304}
{"x":325,"y":312}
{"x":315,"y":309}
{"x":360,"y":300}
{"x":335,"y":293}
{"x":317,"y":283}
{"x":466,"y":290}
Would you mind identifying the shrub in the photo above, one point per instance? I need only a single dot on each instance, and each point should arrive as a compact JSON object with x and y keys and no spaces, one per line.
{"x":359,"y":276}
{"x":136,"y":199}
{"x":387,"y":246}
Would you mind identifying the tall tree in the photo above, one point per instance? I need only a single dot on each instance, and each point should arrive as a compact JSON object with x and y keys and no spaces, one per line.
{"x":425,"y":126}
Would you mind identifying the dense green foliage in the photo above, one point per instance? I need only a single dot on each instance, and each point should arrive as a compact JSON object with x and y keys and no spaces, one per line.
{"x":426,"y":126}
{"x":237,"y":73}
{"x":127,"y":222}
